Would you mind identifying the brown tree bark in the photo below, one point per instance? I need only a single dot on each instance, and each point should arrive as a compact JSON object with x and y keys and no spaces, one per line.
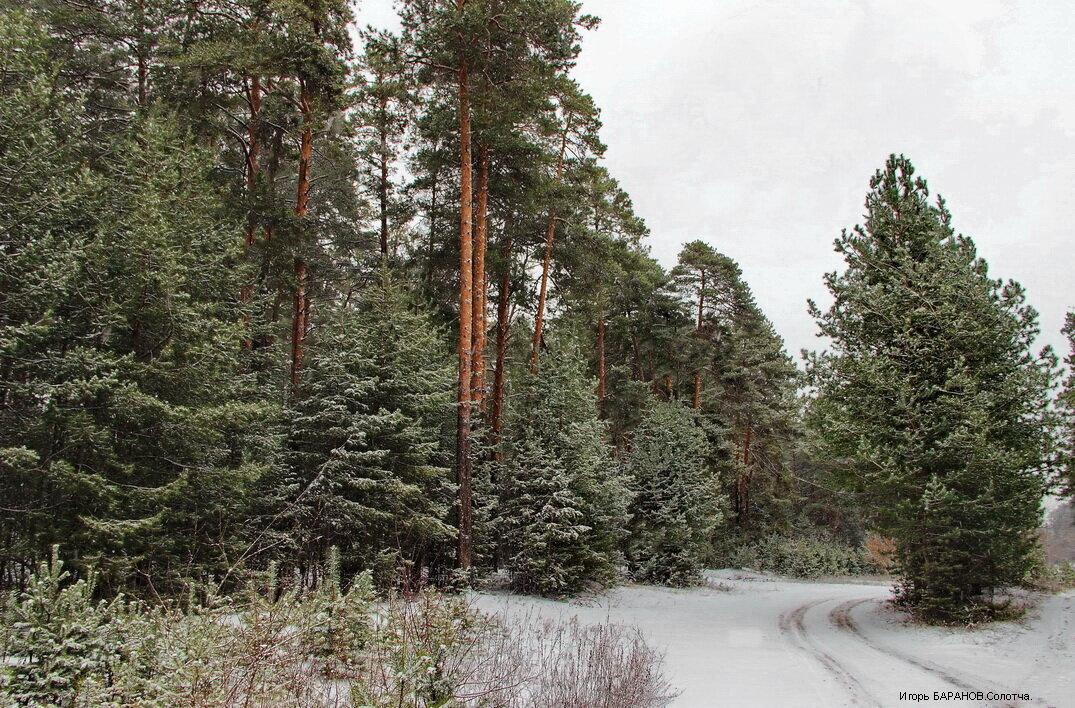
{"x":550,"y":235}
{"x":466,"y":323}
{"x":300,"y":322}
{"x":481,"y":238}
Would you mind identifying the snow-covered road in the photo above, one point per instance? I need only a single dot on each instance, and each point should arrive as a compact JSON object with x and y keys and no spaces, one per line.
{"x":753,"y":640}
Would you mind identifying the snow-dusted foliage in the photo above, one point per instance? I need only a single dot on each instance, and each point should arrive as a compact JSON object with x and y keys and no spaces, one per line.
{"x":562,"y":506}
{"x":677,"y":499}
{"x":1067,"y":411}
{"x":322,"y":648}
{"x":364,"y":468}
{"x":62,"y":641}
{"x":931,"y":401}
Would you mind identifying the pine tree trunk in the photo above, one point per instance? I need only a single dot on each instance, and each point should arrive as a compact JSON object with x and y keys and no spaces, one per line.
{"x":697,"y":402}
{"x":382,"y":186}
{"x":743,"y":491}
{"x":503,"y":330}
{"x":143,"y":61}
{"x":432,"y":226}
{"x":601,"y":360}
{"x":300,"y":326}
{"x":466,"y":296}
{"x":253,"y":153}
{"x":550,"y":235}
{"x":481,"y":238}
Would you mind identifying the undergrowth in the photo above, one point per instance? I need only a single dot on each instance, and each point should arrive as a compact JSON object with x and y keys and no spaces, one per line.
{"x":811,"y":556}
{"x":326,"y":647}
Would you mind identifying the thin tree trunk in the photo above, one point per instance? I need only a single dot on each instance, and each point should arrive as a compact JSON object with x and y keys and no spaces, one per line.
{"x":143,"y":62}
{"x":382,"y":187}
{"x":698,"y":333}
{"x":503,"y":326}
{"x":466,"y":295}
{"x":601,"y":360}
{"x":539,"y":317}
{"x":432,"y":225}
{"x":253,"y":152}
{"x":272,"y":166}
{"x":744,"y":481}
{"x":300,"y":323}
{"x":481,"y":237}
{"x":550,"y":235}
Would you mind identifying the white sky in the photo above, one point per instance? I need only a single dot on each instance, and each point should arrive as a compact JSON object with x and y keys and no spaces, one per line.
{"x":755,"y":126}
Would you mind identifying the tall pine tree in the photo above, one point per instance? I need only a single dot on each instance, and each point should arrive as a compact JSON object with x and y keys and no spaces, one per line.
{"x":931,"y":400}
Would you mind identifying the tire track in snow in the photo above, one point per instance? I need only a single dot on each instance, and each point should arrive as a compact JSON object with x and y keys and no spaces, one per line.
{"x":793,"y":626}
{"x":840,"y":617}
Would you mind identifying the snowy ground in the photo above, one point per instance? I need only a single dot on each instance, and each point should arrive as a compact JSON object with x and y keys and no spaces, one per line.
{"x":753,"y":640}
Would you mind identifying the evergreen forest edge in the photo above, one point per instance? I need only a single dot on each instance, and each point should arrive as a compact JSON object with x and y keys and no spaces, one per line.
{"x":261,"y":298}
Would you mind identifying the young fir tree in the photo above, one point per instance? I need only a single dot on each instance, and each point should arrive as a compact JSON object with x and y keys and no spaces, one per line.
{"x":562,"y":507}
{"x":931,"y":399}
{"x":364,"y":463}
{"x":63,"y":643}
{"x":677,"y":500}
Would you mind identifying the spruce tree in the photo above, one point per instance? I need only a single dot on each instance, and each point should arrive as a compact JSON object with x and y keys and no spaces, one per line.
{"x":677,"y":500}
{"x":562,"y":508}
{"x":126,"y":419}
{"x":364,"y":468}
{"x":931,"y":400}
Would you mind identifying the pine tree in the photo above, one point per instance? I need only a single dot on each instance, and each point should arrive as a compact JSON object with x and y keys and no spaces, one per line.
{"x":487,"y":55}
{"x":931,"y":399}
{"x":383,"y":107}
{"x":699,"y":275}
{"x":677,"y":500}
{"x":736,"y":352}
{"x":1067,"y":411}
{"x":562,"y":501}
{"x":127,"y":420}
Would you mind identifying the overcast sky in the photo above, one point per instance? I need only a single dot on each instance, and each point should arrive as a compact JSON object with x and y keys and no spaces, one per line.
{"x":755,"y":125}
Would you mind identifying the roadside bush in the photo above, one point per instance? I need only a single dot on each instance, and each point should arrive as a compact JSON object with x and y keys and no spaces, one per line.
{"x":803,"y":557}
{"x":1053,"y":577}
{"x":325,"y":648}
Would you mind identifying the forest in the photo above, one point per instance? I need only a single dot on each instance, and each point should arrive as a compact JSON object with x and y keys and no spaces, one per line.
{"x":289,"y":309}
